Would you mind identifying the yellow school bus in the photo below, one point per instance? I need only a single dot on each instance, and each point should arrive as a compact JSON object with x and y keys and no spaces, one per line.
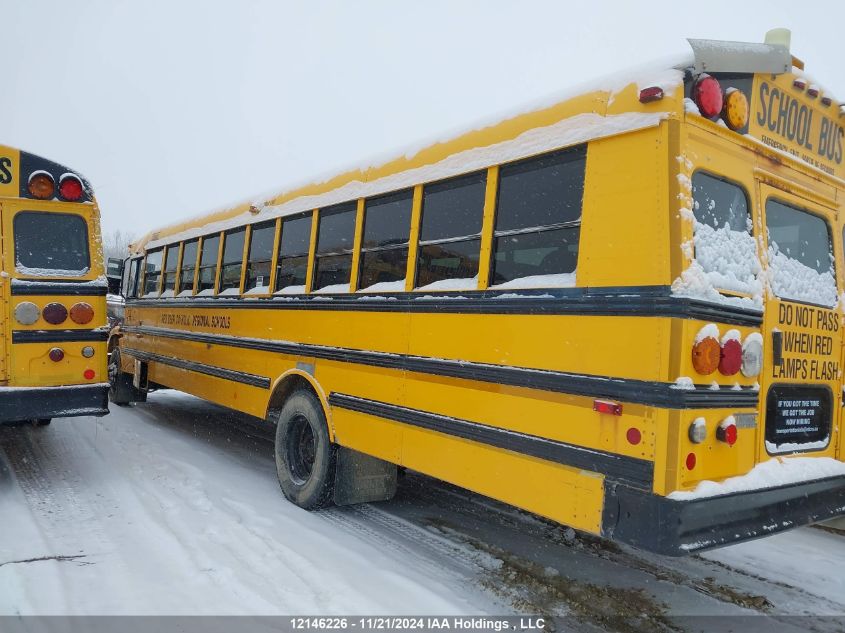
{"x":619,"y":311}
{"x":54,"y":337}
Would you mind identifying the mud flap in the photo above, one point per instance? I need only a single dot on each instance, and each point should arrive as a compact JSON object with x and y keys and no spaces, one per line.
{"x":140,"y":383}
{"x":360,"y":478}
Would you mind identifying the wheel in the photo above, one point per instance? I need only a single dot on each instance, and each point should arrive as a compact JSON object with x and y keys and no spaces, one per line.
{"x":305,"y":458}
{"x":120,"y":383}
{"x":41,"y":421}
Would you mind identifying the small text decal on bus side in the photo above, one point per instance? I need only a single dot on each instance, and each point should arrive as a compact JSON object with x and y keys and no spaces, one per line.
{"x":196,"y":320}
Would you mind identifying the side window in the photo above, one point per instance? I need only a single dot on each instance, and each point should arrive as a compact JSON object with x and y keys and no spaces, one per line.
{"x":171,"y":260}
{"x":189,"y":265}
{"x":152,"y":272}
{"x":723,"y":243}
{"x":384,"y":250}
{"x":538,"y":219}
{"x":133,"y":266}
{"x":292,"y":264}
{"x":333,"y":261}
{"x":233,"y":260}
{"x":800,"y":254}
{"x":450,"y":233}
{"x":260,"y":256}
{"x":208,"y":264}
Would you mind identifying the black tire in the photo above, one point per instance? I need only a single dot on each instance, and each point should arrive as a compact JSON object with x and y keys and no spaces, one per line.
{"x":305,"y":457}
{"x":41,"y":421}
{"x":120,"y":383}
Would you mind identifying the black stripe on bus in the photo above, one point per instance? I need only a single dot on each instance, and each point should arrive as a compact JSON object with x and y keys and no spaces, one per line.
{"x":653,"y":393}
{"x":59,"y":336}
{"x":201,"y":368}
{"x":58,"y":288}
{"x":638,"y":472}
{"x":611,"y":301}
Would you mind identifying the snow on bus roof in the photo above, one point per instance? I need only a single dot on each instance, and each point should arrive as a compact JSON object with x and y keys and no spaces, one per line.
{"x":666,"y":73}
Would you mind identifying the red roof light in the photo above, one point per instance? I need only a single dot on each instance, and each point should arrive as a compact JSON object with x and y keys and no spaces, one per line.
{"x":70,"y":188}
{"x":707,"y":94}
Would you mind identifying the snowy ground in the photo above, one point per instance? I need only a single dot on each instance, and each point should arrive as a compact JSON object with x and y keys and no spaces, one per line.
{"x":172,"y":507}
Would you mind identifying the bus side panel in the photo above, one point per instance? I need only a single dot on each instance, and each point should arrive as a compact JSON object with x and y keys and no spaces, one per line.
{"x":6,"y":331}
{"x":625,"y":228}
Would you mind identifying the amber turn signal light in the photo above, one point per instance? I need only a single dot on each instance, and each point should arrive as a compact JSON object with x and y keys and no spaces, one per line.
{"x":706,"y":355}
{"x":41,"y":185}
{"x":81,"y":313}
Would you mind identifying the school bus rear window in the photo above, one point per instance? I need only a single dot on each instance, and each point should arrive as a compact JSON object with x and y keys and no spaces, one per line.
{"x":51,"y":242}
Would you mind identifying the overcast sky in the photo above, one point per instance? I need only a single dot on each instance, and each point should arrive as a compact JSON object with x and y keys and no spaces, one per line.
{"x":173,"y":108}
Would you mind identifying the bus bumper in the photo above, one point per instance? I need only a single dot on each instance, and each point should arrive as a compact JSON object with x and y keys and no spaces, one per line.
{"x":676,"y":528}
{"x":26,"y":403}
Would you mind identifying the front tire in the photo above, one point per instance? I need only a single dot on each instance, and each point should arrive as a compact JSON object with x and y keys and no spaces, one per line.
{"x":305,"y":457}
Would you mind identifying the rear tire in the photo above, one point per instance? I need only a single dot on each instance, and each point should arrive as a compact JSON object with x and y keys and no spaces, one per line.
{"x":305,"y":457}
{"x":41,"y":421}
{"x":121,"y":388}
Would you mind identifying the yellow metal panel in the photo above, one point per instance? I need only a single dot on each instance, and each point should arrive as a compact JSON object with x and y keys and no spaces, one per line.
{"x":315,"y":227}
{"x":561,"y":493}
{"x":414,"y":239}
{"x":10,"y":167}
{"x":274,"y":261}
{"x":623,"y":207}
{"x":487,"y":226}
{"x":356,"y":252}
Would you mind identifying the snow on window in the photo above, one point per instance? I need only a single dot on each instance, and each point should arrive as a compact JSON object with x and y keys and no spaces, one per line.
{"x":559,"y":280}
{"x":468,"y":283}
{"x":723,"y":249}
{"x":385,"y":286}
{"x":291,"y":290}
{"x":800,"y":255}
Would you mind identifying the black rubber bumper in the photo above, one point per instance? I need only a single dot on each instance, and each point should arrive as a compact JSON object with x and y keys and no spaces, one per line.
{"x":26,"y":403}
{"x":677,"y":528}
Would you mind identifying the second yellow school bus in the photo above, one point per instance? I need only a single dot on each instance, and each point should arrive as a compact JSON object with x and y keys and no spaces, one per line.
{"x":53,"y":293}
{"x":619,"y":311}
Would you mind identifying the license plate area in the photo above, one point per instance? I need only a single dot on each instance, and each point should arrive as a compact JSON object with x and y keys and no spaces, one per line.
{"x":798,"y":418}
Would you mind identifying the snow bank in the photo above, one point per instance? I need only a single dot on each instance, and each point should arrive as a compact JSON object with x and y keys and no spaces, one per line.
{"x":769,"y":474}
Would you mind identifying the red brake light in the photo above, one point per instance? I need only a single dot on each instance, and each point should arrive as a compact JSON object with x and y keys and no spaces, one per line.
{"x":730,"y":360}
{"x":726,"y":432}
{"x":707,"y":94}
{"x":54,"y":313}
{"x":654,"y":93}
{"x":70,"y":188}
